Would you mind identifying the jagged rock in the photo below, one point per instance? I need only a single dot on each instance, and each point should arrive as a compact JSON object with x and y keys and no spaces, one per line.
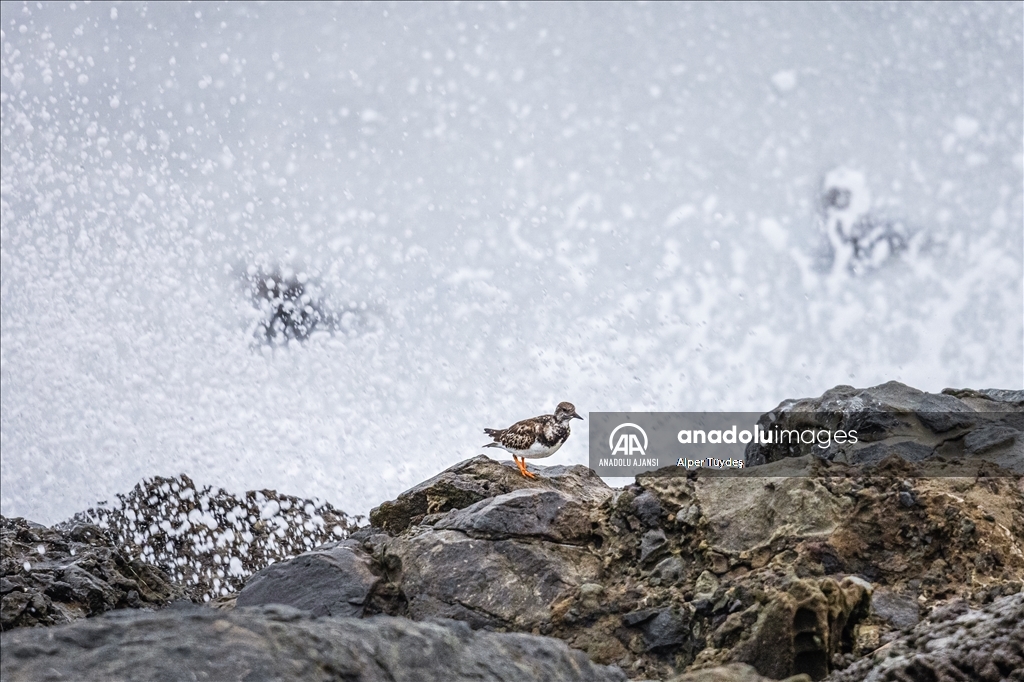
{"x":57,"y":575}
{"x":647,"y":508}
{"x":209,"y":540}
{"x":477,"y":479}
{"x":895,"y":419}
{"x":651,"y":544}
{"x":668,"y":571}
{"x":333,"y":580}
{"x":836,"y":519}
{"x":279,"y":643}
{"x":954,"y":643}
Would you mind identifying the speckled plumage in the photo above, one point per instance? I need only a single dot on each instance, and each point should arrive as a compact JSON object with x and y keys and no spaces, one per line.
{"x":536,"y":437}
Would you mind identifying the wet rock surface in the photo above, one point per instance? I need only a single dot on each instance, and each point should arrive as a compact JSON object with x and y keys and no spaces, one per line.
{"x":280,"y":643}
{"x":56,"y":575}
{"x":802,"y":568}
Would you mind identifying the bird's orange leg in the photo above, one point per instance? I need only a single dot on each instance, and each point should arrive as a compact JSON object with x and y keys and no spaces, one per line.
{"x":522,"y":467}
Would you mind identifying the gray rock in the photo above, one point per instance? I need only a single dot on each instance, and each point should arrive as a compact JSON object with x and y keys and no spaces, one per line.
{"x":488,"y":583}
{"x":941,"y":413}
{"x":991,"y":395}
{"x":669,"y":571}
{"x":954,"y":643}
{"x":900,"y":611}
{"x":477,"y":479}
{"x":533,"y":512}
{"x":647,"y":508}
{"x":329,"y":581}
{"x":989,"y":438}
{"x":278,"y":643}
{"x":651,"y":544}
{"x":668,"y":628}
{"x":892,"y":419}
{"x":56,"y":575}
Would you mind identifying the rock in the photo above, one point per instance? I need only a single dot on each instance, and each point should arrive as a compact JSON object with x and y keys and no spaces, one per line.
{"x":989,"y":438}
{"x":488,"y":583}
{"x":734,"y":672}
{"x":669,"y":571}
{"x":647,"y":508}
{"x":743,"y":513}
{"x":798,"y":566}
{"x":706,"y":585}
{"x":476,"y":479}
{"x":56,"y":575}
{"x":954,"y":643}
{"x":983,"y":399}
{"x":668,"y":628}
{"x":896,"y":420}
{"x":650,"y":545}
{"x":543,"y":513}
{"x":334,"y":580}
{"x":901,"y":611}
{"x":802,"y":627}
{"x":278,"y":643}
{"x":210,"y":540}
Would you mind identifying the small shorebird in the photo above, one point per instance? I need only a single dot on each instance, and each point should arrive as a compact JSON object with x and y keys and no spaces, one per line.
{"x":534,"y":438}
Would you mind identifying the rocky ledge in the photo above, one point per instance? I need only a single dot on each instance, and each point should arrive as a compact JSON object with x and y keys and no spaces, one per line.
{"x":811,"y":568}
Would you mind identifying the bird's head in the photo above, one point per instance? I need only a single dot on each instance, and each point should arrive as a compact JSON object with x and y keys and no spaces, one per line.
{"x":564,"y":412}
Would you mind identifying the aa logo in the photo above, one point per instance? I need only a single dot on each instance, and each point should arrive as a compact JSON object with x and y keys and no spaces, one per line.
{"x":628,"y":442}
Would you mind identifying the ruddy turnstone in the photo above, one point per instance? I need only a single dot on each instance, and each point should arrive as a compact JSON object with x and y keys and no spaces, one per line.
{"x":534,"y":438}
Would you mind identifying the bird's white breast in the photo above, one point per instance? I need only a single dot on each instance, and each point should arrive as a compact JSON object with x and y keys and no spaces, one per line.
{"x":538,"y":451}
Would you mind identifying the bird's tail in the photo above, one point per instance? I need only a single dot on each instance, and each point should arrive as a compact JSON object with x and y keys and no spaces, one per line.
{"x":495,"y":434}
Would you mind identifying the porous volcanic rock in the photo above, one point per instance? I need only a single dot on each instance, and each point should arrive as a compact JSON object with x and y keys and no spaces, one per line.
{"x":279,"y":643}
{"x":50,"y":576}
{"x":955,"y":643}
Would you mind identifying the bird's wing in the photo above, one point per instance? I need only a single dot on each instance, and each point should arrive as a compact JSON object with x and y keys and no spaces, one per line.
{"x":520,"y":435}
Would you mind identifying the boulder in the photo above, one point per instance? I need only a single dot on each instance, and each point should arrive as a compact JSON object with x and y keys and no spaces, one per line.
{"x":899,"y":610}
{"x":477,"y":479}
{"x":333,"y":580}
{"x":494,"y":583}
{"x":280,"y":643}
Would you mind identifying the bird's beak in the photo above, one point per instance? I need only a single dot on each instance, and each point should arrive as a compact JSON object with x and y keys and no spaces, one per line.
{"x":576,"y":416}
